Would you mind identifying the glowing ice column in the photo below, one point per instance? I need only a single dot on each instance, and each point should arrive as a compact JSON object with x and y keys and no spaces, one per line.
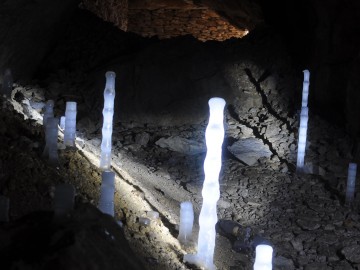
{"x":106,"y":202}
{"x":350,"y":188}
{"x":7,"y":83}
{"x":186,"y":223}
{"x":302,"y":138}
{"x":108,"y":112}
{"x":214,"y":137}
{"x":304,"y":116}
{"x":263,"y":259}
{"x":305,"y":93}
{"x":4,"y":209}
{"x":62,"y":122}
{"x":63,"y":200}
{"x":70,"y":124}
{"x":49,"y":111}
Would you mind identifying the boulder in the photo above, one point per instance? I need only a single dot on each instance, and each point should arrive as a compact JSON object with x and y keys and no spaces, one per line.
{"x":249,"y":150}
{"x":181,"y":145}
{"x":352,"y":253}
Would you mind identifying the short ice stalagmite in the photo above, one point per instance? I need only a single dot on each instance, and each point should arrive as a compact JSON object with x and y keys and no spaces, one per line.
{"x":70,"y":124}
{"x":107,"y":190}
{"x":263,"y":259}
{"x":186,"y":223}
{"x":351,"y":181}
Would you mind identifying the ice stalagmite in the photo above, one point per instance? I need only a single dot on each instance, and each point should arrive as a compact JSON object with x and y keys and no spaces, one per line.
{"x":49,"y":111}
{"x":186,"y":223}
{"x":304,"y":116}
{"x":106,"y":202}
{"x":263,"y":259}
{"x":108,"y":112}
{"x":214,"y":136}
{"x":70,"y":124}
{"x":62,"y":122}
{"x":351,"y":180}
{"x":305,"y":93}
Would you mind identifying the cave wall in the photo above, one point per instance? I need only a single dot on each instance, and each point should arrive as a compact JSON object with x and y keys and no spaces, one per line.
{"x":28,"y":29}
{"x":324,"y":36}
{"x":168,"y":82}
{"x":336,"y":61}
{"x":321,"y":36}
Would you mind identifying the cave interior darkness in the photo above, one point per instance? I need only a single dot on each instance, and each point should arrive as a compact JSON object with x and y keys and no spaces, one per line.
{"x":170,"y":58}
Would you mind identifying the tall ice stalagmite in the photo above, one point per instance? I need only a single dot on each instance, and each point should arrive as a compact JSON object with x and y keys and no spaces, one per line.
{"x":214,"y":136}
{"x":108,"y":113}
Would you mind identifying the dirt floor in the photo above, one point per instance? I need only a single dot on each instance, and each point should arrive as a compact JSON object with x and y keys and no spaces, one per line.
{"x":302,"y":216}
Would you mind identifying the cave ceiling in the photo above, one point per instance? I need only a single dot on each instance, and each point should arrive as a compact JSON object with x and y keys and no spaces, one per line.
{"x":203,"y":19}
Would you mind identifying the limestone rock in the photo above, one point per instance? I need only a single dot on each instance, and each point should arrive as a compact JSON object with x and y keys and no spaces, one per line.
{"x":316,"y":266}
{"x":249,"y":150}
{"x":308,"y":224}
{"x":142,"y":138}
{"x":352,"y":253}
{"x":181,"y":145}
{"x":342,"y":265}
{"x":283,"y":263}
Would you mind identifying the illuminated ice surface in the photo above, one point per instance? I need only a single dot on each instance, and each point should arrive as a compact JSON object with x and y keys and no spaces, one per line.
{"x":152,"y":215}
{"x":144,"y":221}
{"x":62,"y":122}
{"x":108,"y":112}
{"x":51,"y":136}
{"x":49,"y":111}
{"x":305,"y":93}
{"x":106,"y":202}
{"x":263,"y":259}
{"x":302,"y":138}
{"x":7,"y":83}
{"x":70,"y":124}
{"x":4,"y":209}
{"x":214,"y":136}
{"x":351,"y":180}
{"x":304,"y":116}
{"x":63,"y":200}
{"x":186,"y":223}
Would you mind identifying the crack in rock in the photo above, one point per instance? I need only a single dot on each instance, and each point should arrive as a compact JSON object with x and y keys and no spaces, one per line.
{"x":264,"y":98}
{"x":257,"y":134}
{"x":172,"y":227}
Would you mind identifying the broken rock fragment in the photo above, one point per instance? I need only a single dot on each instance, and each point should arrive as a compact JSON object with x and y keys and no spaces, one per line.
{"x":181,"y":145}
{"x":249,"y":150}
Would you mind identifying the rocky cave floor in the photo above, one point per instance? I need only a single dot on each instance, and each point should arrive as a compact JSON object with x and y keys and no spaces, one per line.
{"x":302,"y":216}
